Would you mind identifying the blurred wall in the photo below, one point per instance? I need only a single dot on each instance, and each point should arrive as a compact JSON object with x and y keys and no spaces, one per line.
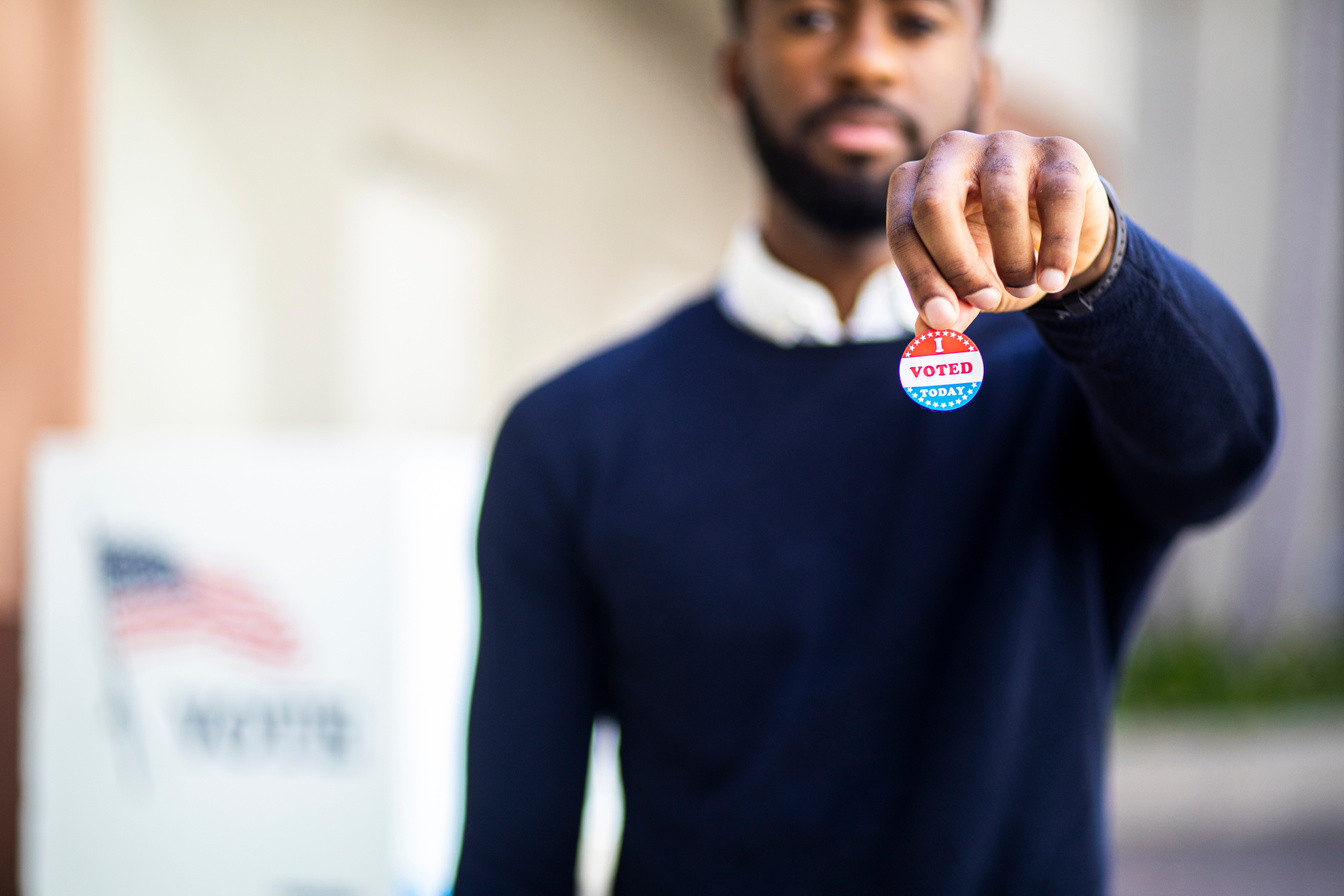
{"x":397,"y":214}
{"x":261,"y":168}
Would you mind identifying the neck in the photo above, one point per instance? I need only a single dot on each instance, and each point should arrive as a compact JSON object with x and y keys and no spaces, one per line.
{"x":839,"y":263}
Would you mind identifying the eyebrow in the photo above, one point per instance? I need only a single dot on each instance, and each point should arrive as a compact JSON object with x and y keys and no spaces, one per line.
{"x":950,"y":4}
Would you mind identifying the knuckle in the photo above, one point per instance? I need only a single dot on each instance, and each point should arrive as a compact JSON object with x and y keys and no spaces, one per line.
{"x":924,"y":282}
{"x":1061,"y":146}
{"x":1002,"y":158}
{"x":1016,"y":276}
{"x":1063,"y":155}
{"x":930,"y":205}
{"x":1057,"y":242}
{"x":1016,"y":271}
{"x":1001,"y":186}
{"x":902,"y":233}
{"x":961,"y":275}
{"x":1057,"y":188}
{"x":904,"y":174}
{"x":1061,"y":169}
{"x":950,"y":141}
{"x":1005,"y":142}
{"x":999,"y":166}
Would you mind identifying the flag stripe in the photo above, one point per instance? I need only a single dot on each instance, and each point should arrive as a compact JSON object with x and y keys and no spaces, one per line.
{"x":152,"y":604}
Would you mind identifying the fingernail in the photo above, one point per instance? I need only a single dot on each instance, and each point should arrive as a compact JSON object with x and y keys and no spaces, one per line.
{"x":1052,"y":280}
{"x":940,"y":313}
{"x":984,"y":299}
{"x":1022,"y":292}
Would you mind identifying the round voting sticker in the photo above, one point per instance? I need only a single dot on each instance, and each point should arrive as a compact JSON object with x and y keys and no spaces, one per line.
{"x":941,"y":370}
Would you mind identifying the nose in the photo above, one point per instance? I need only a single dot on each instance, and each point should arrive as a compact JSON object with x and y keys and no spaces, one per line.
{"x":868,"y":58}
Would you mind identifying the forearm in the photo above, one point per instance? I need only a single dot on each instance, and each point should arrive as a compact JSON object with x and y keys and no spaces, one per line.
{"x":1180,"y":393}
{"x":531,"y":718}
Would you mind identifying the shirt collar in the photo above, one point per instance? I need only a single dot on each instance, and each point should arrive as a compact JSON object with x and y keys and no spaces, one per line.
{"x":761,"y":295}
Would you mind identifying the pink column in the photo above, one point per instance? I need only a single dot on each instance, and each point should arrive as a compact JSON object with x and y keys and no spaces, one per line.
{"x":43,"y":66}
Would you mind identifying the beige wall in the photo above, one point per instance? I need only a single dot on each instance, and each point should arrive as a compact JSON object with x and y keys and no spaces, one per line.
{"x":580,"y":140}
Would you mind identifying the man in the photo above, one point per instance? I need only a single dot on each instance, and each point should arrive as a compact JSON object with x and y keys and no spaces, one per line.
{"x":853,"y":645}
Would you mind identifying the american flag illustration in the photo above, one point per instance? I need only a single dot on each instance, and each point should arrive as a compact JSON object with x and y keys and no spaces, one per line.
{"x":152,"y":601}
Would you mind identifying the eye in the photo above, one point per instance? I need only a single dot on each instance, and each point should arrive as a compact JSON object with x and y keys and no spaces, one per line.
{"x":811,"y":21}
{"x":913,"y":26}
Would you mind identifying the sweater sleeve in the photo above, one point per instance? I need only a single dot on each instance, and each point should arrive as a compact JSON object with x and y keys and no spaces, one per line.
{"x":1181,"y":396}
{"x":535,"y":691}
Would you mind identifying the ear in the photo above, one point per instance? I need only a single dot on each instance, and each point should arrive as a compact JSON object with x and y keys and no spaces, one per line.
{"x":987,"y":93}
{"x":728,"y":65}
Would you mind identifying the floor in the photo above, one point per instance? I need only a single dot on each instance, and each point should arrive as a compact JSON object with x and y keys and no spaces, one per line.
{"x":1233,"y":808}
{"x":1308,"y":862}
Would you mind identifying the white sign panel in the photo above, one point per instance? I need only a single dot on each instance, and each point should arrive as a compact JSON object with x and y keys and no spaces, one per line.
{"x":247,"y":666}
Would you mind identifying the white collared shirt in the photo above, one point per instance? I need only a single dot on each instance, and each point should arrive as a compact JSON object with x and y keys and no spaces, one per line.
{"x":763,"y":296}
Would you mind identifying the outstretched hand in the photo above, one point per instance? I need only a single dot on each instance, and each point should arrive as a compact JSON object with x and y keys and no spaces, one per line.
{"x":995,"y":223}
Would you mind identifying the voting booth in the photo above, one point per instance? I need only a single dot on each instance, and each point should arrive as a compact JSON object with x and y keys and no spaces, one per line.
{"x":247,"y":666}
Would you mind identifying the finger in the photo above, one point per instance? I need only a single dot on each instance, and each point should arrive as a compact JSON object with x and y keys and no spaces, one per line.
{"x":965,"y":314}
{"x":1061,"y":203}
{"x":935,"y":300}
{"x":1005,"y":187}
{"x":938,"y":209}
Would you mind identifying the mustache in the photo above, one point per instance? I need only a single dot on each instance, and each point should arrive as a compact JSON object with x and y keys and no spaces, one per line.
{"x":818,"y":117}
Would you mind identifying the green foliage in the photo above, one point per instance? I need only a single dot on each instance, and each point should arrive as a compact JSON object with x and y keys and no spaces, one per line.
{"x":1189,"y":669}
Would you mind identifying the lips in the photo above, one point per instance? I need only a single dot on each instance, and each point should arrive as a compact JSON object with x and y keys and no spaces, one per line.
{"x":862,"y":131}
{"x":860,"y":138}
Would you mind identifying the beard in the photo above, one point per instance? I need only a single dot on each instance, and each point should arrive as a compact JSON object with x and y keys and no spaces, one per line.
{"x":846,"y":205}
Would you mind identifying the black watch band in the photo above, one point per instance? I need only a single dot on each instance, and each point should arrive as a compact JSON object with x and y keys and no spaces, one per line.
{"x":1079,"y":302}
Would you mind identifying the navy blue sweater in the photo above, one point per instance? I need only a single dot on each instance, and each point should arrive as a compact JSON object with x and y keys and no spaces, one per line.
{"x":854,"y":646}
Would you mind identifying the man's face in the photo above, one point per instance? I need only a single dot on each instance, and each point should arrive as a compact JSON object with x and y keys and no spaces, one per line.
{"x":838,"y":93}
